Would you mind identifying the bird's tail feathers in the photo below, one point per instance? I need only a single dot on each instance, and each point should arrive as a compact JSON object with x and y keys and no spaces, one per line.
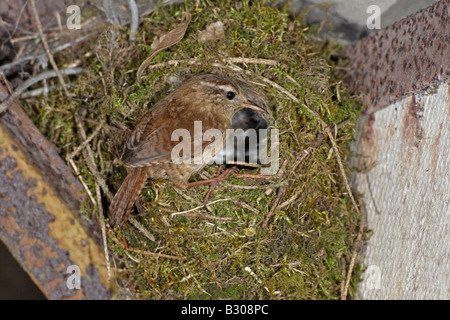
{"x":125,"y":197}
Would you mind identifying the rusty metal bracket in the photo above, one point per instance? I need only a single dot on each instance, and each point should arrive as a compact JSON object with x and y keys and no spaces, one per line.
{"x":40,"y":219}
{"x":410,"y":55}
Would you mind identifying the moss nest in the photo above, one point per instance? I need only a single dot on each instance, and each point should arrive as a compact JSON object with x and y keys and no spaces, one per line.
{"x":223,"y":252}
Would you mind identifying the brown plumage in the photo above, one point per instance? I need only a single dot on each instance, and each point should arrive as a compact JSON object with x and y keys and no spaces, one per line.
{"x":208,"y":98}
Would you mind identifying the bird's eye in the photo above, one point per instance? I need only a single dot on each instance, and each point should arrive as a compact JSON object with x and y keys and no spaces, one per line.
{"x":230,"y":95}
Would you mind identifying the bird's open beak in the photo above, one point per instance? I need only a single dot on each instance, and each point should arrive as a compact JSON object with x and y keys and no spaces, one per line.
{"x":251,"y":105}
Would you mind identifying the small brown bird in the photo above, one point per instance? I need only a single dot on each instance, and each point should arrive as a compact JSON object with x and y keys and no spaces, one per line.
{"x":208,"y":98}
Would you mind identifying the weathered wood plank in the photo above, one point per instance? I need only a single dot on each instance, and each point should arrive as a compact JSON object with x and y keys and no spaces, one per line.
{"x":407,"y":197}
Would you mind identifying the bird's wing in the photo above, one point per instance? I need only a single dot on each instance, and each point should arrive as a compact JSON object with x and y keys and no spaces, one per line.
{"x":155,"y":138}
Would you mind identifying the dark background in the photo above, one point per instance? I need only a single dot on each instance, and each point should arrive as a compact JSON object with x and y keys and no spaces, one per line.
{"x":15,"y":283}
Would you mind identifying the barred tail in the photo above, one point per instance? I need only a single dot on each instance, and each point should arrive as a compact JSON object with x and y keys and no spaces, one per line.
{"x":124,"y":199}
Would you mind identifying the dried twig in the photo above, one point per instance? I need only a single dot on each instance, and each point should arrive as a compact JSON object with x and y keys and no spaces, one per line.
{"x":281,"y":89}
{"x":271,"y":212}
{"x":58,"y":20}
{"x":47,"y":49}
{"x":247,"y":206}
{"x":251,"y":60}
{"x":290,"y":200}
{"x":77,"y":172}
{"x":320,"y":137}
{"x":29,"y":82}
{"x":315,"y":144}
{"x":24,"y":38}
{"x":85,"y":142}
{"x":141,"y":228}
{"x":280,"y":172}
{"x":103,"y":82}
{"x":237,"y":186}
{"x":199,"y":207}
{"x":220,"y":177}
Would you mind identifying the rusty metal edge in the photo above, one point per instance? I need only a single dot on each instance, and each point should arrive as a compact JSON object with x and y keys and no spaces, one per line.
{"x":40,"y":219}
{"x":42,"y":154}
{"x":411,"y":55}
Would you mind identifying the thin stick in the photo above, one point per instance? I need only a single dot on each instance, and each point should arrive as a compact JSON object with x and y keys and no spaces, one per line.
{"x":131,"y":257}
{"x":85,"y":142}
{"x":280,"y":193}
{"x":343,"y":275}
{"x":58,"y":20}
{"x":77,"y":172}
{"x":320,"y":137}
{"x":222,"y":177}
{"x":29,"y":82}
{"x":251,"y":60}
{"x":141,"y":228}
{"x":237,"y":186}
{"x":281,"y":89}
{"x":47,"y":49}
{"x":280,"y":172}
{"x":290,"y":200}
{"x":247,"y":206}
{"x":199,"y":207}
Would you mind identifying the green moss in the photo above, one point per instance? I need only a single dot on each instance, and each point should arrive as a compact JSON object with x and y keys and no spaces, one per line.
{"x":308,"y":243}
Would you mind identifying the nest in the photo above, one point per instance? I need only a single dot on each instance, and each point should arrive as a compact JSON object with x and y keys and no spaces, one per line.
{"x":286,"y":236}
